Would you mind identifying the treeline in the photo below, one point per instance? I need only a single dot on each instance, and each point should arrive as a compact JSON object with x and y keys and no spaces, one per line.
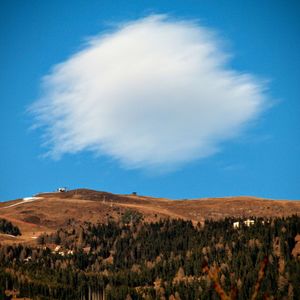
{"x":168,"y":259}
{"x":8,"y":228}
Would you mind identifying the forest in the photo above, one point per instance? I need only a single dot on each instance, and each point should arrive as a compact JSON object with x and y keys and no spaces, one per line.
{"x":8,"y":228}
{"x":168,"y":259}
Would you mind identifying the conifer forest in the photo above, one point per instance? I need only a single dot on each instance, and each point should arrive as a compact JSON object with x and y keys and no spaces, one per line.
{"x":168,"y":259}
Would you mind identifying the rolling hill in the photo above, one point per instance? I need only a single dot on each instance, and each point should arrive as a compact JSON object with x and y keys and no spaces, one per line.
{"x":47,"y":212}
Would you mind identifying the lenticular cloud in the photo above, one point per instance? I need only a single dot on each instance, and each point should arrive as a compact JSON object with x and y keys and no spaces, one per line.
{"x":153,"y":93}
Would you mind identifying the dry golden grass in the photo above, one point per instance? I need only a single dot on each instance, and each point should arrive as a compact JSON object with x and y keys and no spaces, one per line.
{"x":53,"y":210}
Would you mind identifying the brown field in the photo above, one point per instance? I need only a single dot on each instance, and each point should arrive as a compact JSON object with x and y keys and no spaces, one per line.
{"x":53,"y":210}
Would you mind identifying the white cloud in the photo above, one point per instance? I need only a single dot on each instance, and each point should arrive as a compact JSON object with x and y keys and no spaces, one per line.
{"x":155,"y":93}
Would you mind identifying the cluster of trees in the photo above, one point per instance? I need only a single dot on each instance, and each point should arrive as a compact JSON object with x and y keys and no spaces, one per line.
{"x":168,"y":259}
{"x":8,"y":228}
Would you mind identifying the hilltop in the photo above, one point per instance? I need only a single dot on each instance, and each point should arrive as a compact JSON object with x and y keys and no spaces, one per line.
{"x":46,"y":212}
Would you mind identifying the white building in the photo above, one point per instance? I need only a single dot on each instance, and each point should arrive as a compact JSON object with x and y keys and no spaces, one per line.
{"x":236,"y":225}
{"x":249,"y":222}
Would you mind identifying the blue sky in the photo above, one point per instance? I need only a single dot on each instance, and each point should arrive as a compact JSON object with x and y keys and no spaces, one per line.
{"x":262,"y":38}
